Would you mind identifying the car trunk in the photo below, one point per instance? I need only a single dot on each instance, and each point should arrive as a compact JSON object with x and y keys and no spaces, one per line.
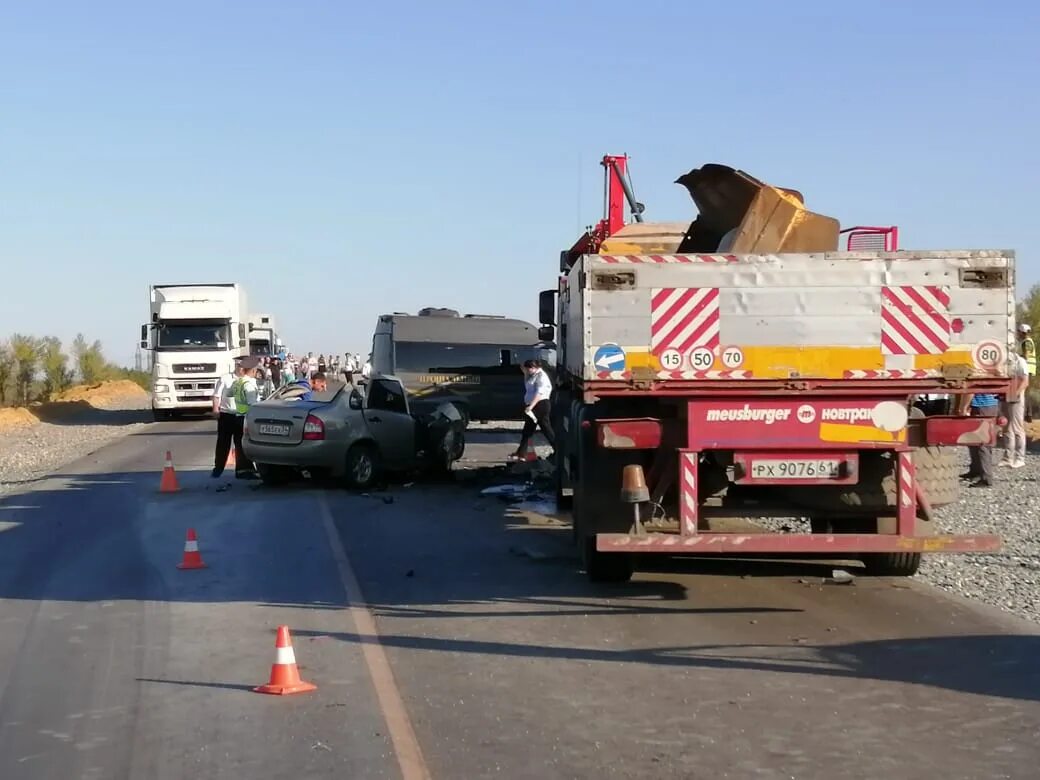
{"x":280,"y":422}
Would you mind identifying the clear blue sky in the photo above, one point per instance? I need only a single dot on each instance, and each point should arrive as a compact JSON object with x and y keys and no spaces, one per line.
{"x":343,"y":159}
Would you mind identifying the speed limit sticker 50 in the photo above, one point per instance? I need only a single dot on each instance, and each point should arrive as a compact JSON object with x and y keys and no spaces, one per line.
{"x":989,"y":354}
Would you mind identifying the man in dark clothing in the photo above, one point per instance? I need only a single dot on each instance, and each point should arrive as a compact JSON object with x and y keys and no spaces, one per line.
{"x":537,"y":391}
{"x":980,"y":472}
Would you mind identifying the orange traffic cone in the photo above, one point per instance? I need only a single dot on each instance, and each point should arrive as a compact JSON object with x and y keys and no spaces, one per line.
{"x":285,"y":677}
{"x":231,"y":460}
{"x":168,"y":483}
{"x":192,"y":558}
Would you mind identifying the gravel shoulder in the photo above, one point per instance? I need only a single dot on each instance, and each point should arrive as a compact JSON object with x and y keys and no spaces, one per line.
{"x":1010,"y":579}
{"x":64,"y":434}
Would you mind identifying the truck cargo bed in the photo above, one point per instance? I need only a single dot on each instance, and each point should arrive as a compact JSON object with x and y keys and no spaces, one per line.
{"x":932,"y":317}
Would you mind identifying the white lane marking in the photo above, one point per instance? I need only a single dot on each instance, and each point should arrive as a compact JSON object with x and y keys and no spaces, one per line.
{"x":399,"y":725}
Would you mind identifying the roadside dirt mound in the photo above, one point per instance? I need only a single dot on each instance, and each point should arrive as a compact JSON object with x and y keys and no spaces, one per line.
{"x":1033,"y":430}
{"x":16,"y":418}
{"x":102,"y":393}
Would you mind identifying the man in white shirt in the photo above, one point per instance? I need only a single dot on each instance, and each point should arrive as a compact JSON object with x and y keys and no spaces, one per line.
{"x":236,"y":396}
{"x":224,"y":408}
{"x":1015,"y":406}
{"x":537,"y":392}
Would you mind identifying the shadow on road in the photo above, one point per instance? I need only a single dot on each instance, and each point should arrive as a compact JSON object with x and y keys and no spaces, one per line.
{"x":991,"y":665}
{"x":82,"y":413}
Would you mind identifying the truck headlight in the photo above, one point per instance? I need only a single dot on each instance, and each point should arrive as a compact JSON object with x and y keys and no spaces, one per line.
{"x":161,"y":388}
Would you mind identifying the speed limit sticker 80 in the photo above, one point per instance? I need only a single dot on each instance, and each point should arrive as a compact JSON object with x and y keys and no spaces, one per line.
{"x":988,"y":354}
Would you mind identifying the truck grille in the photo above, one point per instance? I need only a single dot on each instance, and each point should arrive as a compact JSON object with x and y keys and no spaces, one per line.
{"x":195,"y":368}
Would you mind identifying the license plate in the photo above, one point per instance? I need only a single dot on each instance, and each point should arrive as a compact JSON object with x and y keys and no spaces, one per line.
{"x":794,"y":470}
{"x":269,"y":429}
{"x":197,"y":393}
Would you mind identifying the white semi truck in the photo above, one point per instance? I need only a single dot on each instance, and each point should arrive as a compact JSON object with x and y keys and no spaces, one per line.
{"x":263,"y":336}
{"x":195,"y":333}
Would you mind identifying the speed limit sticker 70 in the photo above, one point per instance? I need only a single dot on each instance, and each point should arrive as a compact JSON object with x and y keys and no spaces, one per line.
{"x":988,"y":354}
{"x":732,"y":357}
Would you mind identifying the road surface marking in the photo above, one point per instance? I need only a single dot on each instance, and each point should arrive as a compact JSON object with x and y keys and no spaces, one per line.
{"x":402,"y":735}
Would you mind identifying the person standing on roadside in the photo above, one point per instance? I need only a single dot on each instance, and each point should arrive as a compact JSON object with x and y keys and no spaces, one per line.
{"x":245,"y":392}
{"x":224,"y":408}
{"x":537,"y":391}
{"x":322,"y":365}
{"x":980,"y":472}
{"x":1015,"y":406}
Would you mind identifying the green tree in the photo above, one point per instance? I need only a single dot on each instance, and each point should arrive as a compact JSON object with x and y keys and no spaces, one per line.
{"x":26,"y":352}
{"x":7,"y":369}
{"x":56,"y":373}
{"x":1029,"y":308}
{"x":90,"y":360}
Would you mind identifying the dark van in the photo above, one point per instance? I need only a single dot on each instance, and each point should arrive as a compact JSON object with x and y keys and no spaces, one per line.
{"x":473,"y":360}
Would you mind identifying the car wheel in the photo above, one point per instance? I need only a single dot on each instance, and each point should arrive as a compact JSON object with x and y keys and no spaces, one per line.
{"x":362,"y":466}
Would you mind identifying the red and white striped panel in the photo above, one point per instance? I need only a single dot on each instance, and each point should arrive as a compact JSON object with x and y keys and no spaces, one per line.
{"x":688,"y":489}
{"x":633,"y":259}
{"x":917,"y":373}
{"x":915,"y":320}
{"x":683,"y":318}
{"x":724,"y":374}
{"x":907,"y":476}
{"x":613,"y":374}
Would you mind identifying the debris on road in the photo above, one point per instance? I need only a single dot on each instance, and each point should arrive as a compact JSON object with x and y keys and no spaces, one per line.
{"x":841,"y":577}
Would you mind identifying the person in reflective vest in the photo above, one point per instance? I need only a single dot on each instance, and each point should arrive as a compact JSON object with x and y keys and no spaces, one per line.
{"x":1027,"y":349}
{"x":244,"y":391}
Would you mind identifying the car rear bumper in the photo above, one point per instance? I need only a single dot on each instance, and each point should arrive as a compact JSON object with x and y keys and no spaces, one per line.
{"x":313,"y":454}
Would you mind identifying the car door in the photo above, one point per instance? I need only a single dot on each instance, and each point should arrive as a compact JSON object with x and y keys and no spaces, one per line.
{"x":387,"y":417}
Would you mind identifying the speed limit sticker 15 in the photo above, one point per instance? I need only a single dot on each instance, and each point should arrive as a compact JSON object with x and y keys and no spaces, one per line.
{"x":988,"y":354}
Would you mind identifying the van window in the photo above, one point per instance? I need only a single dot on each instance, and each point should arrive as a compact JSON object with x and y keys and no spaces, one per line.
{"x":426,"y":357}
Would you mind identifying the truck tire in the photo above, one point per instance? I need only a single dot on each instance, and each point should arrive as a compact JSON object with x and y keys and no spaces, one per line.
{"x":597,"y":508}
{"x":605,"y":567}
{"x":936,"y":468}
{"x":561,"y":410}
{"x":891,"y":564}
{"x":362,"y":466}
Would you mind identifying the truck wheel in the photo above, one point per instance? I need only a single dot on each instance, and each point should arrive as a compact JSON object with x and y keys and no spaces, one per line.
{"x":605,"y":567}
{"x":936,"y":474}
{"x":891,"y":564}
{"x":362,"y":466}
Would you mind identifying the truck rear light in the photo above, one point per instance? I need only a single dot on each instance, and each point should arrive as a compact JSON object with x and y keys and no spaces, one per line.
{"x":313,"y":429}
{"x":641,"y":433}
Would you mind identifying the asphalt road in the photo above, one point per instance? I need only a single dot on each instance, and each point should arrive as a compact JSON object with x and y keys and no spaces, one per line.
{"x":451,"y":636}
